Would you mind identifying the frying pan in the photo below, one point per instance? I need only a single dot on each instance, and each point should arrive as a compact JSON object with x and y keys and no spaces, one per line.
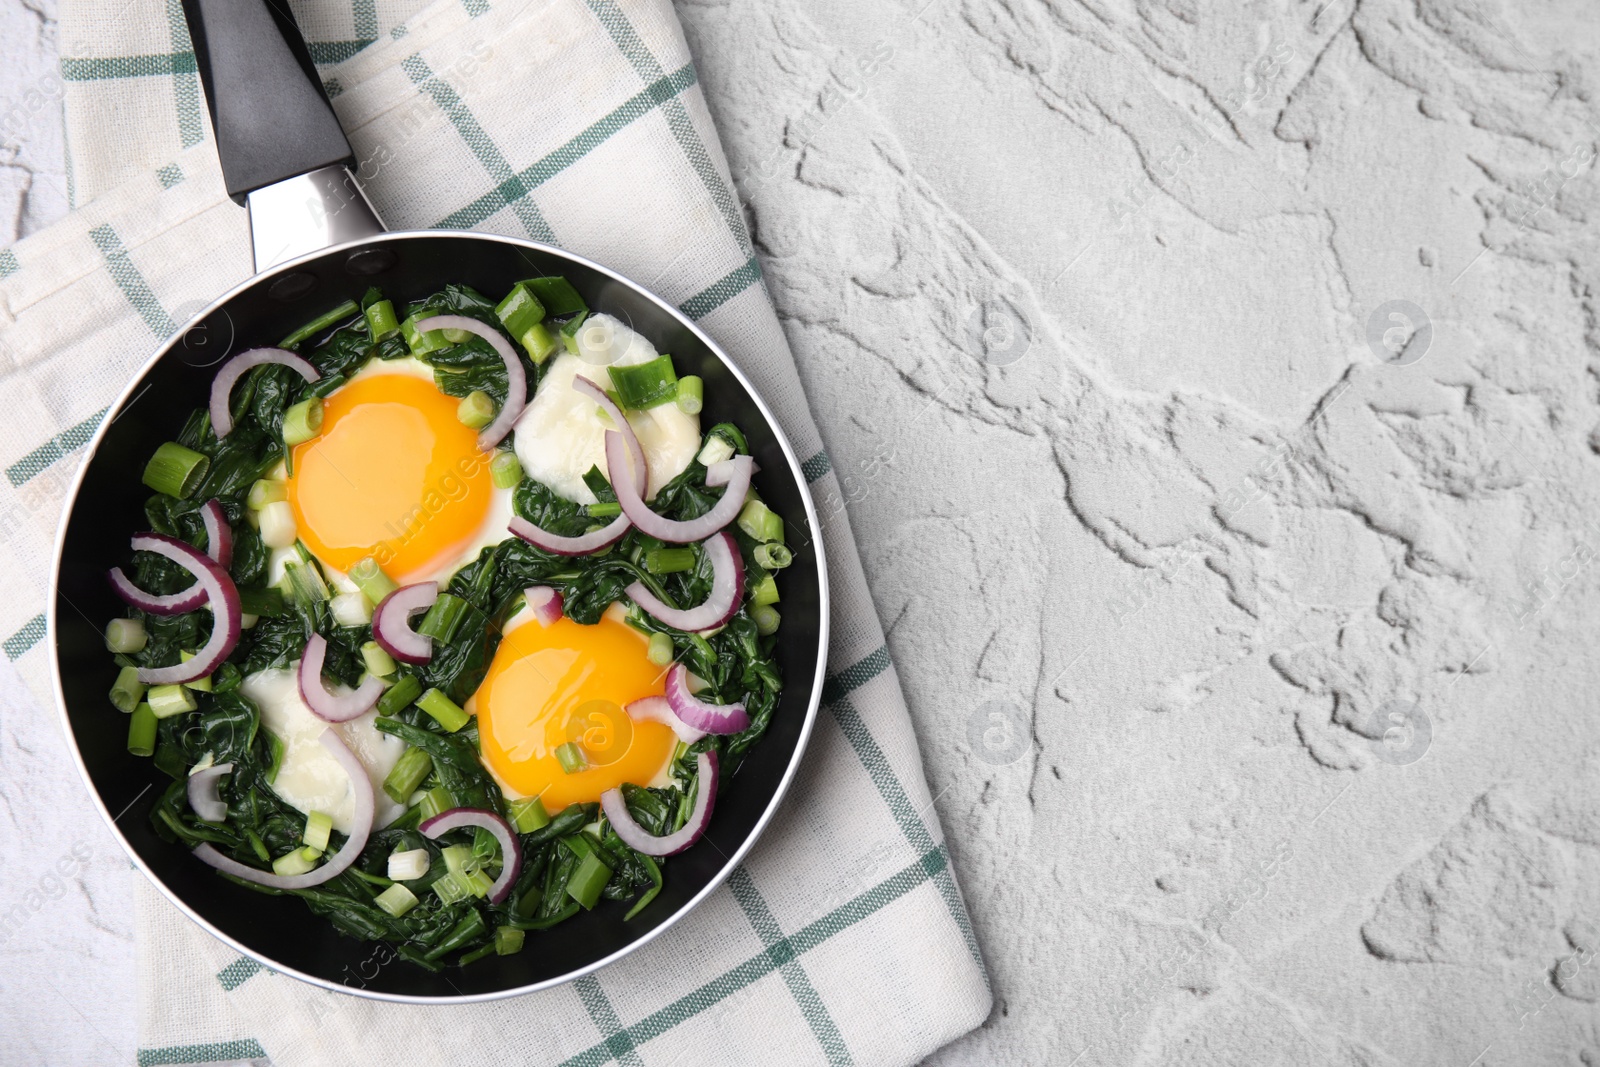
{"x":318,"y":242}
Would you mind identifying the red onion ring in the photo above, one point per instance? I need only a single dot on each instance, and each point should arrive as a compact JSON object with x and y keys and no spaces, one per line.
{"x":323,"y":702}
{"x":516,"y":377}
{"x":545,"y":602}
{"x":510,"y":847}
{"x":581,"y":545}
{"x":696,"y":713}
{"x":659,"y":709}
{"x":219,"y":535}
{"x":360,"y":785}
{"x":222,"y":385}
{"x":203,"y":798}
{"x":391,"y":622}
{"x":189,"y":600}
{"x":722,"y":471}
{"x":665,"y":529}
{"x":640,"y":469}
{"x":214,"y":585}
{"x":639,"y":839}
{"x":727,"y":589}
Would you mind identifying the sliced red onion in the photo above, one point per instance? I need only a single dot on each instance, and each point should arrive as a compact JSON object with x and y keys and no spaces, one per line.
{"x":216,"y":587}
{"x":516,"y":378}
{"x":203,"y":796}
{"x":219,"y":535}
{"x":360,"y":785}
{"x":680,"y":533}
{"x":391,"y":622}
{"x":723,"y":471}
{"x":222,"y":385}
{"x":545,"y":603}
{"x":640,"y":469}
{"x":639,"y":839}
{"x":190,"y":599}
{"x":712,"y":718}
{"x":510,"y":847}
{"x":581,"y":545}
{"x":659,"y":709}
{"x":325,"y":704}
{"x":727,"y":588}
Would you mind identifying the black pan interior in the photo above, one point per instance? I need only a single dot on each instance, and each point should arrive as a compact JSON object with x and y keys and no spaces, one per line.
{"x":109,"y":508}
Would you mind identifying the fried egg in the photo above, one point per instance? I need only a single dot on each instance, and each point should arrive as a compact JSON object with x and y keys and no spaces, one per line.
{"x":568,"y":682}
{"x":395,"y":475}
{"x":560,"y":435}
{"x":310,"y":778}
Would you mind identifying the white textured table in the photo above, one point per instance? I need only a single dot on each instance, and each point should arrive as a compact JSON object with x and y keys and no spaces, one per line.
{"x":1215,"y":400}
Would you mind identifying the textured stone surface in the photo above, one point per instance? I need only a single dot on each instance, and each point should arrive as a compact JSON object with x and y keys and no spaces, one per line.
{"x":1247,"y":628}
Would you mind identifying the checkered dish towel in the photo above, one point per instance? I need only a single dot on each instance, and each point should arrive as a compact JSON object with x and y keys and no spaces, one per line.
{"x":843,"y":938}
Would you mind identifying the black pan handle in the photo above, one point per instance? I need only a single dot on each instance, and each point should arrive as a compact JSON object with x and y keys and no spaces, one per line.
{"x":268,"y":108}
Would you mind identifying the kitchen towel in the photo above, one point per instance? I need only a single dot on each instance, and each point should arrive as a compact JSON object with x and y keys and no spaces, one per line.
{"x":843,"y":938}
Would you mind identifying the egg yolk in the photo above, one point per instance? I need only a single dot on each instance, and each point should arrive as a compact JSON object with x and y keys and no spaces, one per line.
{"x":394,"y":475}
{"x":567,"y":683}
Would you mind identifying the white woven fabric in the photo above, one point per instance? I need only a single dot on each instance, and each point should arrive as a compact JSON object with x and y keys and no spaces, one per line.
{"x":843,"y":938}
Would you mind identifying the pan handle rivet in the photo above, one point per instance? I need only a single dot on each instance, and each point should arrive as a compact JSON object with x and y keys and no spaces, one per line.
{"x":292,"y":286}
{"x":368,"y":261}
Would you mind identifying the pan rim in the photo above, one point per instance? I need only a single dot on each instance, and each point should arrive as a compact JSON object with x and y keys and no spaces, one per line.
{"x":813,"y":704}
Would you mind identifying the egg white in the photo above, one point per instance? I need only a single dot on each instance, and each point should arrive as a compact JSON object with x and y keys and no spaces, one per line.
{"x":560,"y":435}
{"x":309,"y":778}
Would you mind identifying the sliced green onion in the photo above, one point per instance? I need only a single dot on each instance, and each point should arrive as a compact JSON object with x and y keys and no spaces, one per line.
{"x":199,"y":685}
{"x":376,"y":660}
{"x":400,"y":696}
{"x":539,"y":342}
{"x":571,"y":757}
{"x":127,"y":691}
{"x":408,"y":865}
{"x":268,"y":601}
{"x":300,"y":861}
{"x":766,"y":619}
{"x":528,"y":815}
{"x":306,"y":583}
{"x":351,"y":609}
{"x":266,"y":491}
{"x":520,"y":310}
{"x":126,"y":636}
{"x":760,"y":522}
{"x":278,"y":525}
{"x":645,"y":385}
{"x":458,"y":859}
{"x":303,"y":421}
{"x":588,"y":878}
{"x":434,"y":801}
{"x":569,"y":331}
{"x":320,"y":323}
{"x":557,"y":295}
{"x":258,"y":846}
{"x":691,"y":395}
{"x":506,"y":470}
{"x":764,"y":592}
{"x":371,"y":580}
{"x":396,"y":900}
{"x":451,"y":888}
{"x":669,"y":560}
{"x":604,"y":509}
{"x":660,"y":651}
{"x":408,"y":772}
{"x":169,"y":700}
{"x":142,"y":731}
{"x":716,"y":450}
{"x":441,"y":620}
{"x":773,"y":555}
{"x":508,"y":940}
{"x":318,"y":826}
{"x":476,"y":410}
{"x":422,"y":343}
{"x":382,"y":322}
{"x":443,"y":710}
{"x":176,"y":470}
